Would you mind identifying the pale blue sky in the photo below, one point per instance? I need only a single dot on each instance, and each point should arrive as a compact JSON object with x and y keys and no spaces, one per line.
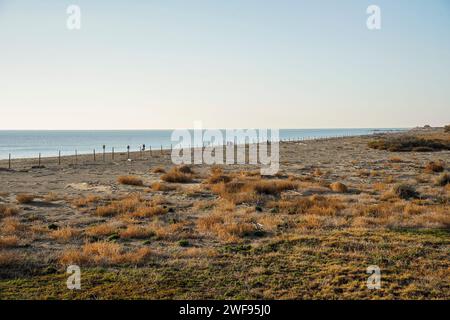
{"x":247,"y":63}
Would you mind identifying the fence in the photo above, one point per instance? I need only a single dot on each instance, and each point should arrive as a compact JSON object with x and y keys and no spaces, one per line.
{"x":129,"y":155}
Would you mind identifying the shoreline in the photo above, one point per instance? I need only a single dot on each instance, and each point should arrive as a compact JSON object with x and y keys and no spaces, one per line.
{"x":135,"y":155}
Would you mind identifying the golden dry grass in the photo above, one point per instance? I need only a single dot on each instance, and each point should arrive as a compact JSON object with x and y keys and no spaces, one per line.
{"x":158,"y":186}
{"x":12,"y":226}
{"x":25,"y":198}
{"x":85,"y":201}
{"x":228,"y":228}
{"x":130,"y":181}
{"x":338,"y":187}
{"x":8,"y":241}
{"x":65,"y":234}
{"x":51,"y":196}
{"x":103,"y":253}
{"x":101,"y":230}
{"x":135,"y":232}
{"x":434,"y":166}
{"x":175,"y":175}
{"x":7,"y":211}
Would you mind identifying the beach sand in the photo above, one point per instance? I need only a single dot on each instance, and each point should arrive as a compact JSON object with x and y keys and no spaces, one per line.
{"x":299,"y":234}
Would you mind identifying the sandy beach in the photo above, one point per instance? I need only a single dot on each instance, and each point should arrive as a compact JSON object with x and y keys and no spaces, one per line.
{"x":311,"y":231}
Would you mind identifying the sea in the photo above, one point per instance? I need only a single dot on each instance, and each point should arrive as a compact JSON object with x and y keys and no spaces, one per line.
{"x":48,"y":143}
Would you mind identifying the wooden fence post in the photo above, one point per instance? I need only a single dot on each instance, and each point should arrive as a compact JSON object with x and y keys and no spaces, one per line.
{"x":9,"y":161}
{"x":113,"y":153}
{"x":104,"y":148}
{"x":128,"y":152}
{"x":59,"y":157}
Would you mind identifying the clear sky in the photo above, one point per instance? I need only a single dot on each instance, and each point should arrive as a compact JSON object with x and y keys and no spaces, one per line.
{"x":236,"y":63}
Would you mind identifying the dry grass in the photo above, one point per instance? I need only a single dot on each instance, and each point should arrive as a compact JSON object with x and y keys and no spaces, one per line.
{"x":7,"y":211}
{"x":65,"y":234}
{"x":134,"y":206}
{"x":272,"y":187}
{"x":103,"y":253}
{"x":8,"y":241}
{"x":130,"y":181}
{"x":217,"y":176}
{"x":101,"y":230}
{"x":228,"y":228}
{"x":149,"y":211}
{"x":175,"y":175}
{"x":8,"y":258}
{"x":434,"y":166}
{"x":123,"y":206}
{"x":317,"y":205}
{"x":443,"y":180}
{"x":395,"y":159}
{"x":51,"y":196}
{"x":338,"y":187}
{"x":409,"y":143}
{"x":136,"y":232}
{"x":25,"y":198}
{"x":159,"y":170}
{"x":85,"y":201}
{"x":404,"y":191}
{"x":158,"y":186}
{"x":12,"y":226}
{"x":185,"y":169}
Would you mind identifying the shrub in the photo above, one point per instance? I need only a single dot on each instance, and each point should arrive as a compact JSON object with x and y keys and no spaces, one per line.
{"x":130,"y":180}
{"x":405,"y":144}
{"x":185,"y":169}
{"x":25,"y":198}
{"x":6,"y":211}
{"x":272,"y":187}
{"x":65,"y":234}
{"x":447,"y":128}
{"x":405,"y":191}
{"x":434,"y":166}
{"x":338,"y":187}
{"x":217,"y":178}
{"x":84,"y":201}
{"x":157,"y":186}
{"x":8,"y":241}
{"x":443,"y":179}
{"x":175,"y":175}
{"x":159,"y":170}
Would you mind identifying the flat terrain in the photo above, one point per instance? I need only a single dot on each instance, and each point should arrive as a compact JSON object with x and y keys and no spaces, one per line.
{"x":144,"y":229}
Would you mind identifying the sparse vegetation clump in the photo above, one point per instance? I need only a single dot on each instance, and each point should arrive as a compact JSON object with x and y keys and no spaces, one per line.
{"x":274,"y":187}
{"x":434,"y":166}
{"x":447,"y":128}
{"x":130,"y":180}
{"x":217,"y":176}
{"x":7,"y":211}
{"x":159,"y":170}
{"x":338,"y":187}
{"x":409,"y":143}
{"x":158,"y":186}
{"x":85,"y":201}
{"x":103,"y":254}
{"x":443,"y":179}
{"x":25,"y":198}
{"x":178,"y":175}
{"x":405,"y":191}
{"x":65,"y":234}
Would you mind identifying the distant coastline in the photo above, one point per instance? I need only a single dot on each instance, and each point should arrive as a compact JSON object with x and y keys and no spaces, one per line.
{"x":48,"y":143}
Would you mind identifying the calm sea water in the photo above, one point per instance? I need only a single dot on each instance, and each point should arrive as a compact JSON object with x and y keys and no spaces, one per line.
{"x":28,"y":144}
